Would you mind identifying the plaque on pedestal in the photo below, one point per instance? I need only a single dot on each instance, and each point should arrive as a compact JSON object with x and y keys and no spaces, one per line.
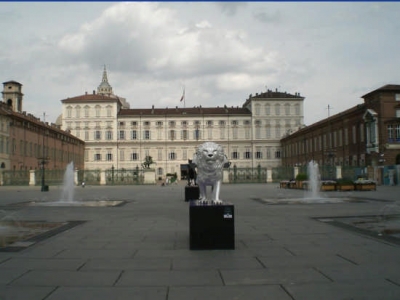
{"x":212,"y":226}
{"x":192,"y":193}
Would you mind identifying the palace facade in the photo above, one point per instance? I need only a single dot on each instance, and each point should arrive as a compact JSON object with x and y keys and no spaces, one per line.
{"x":117,"y":136}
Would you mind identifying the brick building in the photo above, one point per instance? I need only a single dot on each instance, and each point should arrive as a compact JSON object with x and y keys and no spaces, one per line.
{"x":366,"y":135}
{"x":25,"y":141}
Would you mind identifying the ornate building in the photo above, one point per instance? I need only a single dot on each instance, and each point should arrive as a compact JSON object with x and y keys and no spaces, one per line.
{"x":117,"y":136}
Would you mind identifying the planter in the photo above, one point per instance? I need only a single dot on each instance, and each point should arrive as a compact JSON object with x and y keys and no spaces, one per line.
{"x":328,"y":187}
{"x":345,"y":187}
{"x":365,"y":186}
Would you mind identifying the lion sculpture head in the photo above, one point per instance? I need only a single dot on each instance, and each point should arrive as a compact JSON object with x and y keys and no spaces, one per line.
{"x":209,"y":160}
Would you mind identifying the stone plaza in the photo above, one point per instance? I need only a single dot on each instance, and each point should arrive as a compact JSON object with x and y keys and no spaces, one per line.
{"x":140,"y":250}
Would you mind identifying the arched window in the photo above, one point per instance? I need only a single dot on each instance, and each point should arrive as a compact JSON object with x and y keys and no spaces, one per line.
{"x":69,"y":111}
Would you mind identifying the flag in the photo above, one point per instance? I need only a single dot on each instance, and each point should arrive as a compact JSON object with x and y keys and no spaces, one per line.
{"x":183,"y":95}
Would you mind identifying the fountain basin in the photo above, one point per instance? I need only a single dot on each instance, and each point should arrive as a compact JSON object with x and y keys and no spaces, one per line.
{"x":94,"y":203}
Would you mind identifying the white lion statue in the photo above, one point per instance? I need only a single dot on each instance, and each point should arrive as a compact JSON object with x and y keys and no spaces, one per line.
{"x":209,"y":160}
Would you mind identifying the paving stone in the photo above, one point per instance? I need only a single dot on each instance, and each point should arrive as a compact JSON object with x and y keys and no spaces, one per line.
{"x":272,"y":276}
{"x":24,"y":293}
{"x":99,"y":293}
{"x":43,"y":264}
{"x":353,"y":289}
{"x":128,"y":264}
{"x":67,"y":278}
{"x":169,"y":278}
{"x":273,"y":292}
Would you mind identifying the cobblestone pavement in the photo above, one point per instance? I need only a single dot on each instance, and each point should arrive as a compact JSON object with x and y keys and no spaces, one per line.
{"x":140,"y":250}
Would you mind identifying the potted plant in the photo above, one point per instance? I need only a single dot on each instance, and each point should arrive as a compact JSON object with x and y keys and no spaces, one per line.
{"x":344,"y":184}
{"x":362,"y":184}
{"x":300,"y":178}
{"x":328,"y":185}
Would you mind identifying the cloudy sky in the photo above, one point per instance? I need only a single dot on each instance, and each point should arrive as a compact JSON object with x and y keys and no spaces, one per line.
{"x":331,"y":53}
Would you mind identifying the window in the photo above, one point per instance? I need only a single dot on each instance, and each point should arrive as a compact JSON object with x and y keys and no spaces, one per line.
{"x":234,"y":122}
{"x":184,"y":134}
{"x":146,"y":135}
{"x":159,"y":156}
{"x":221,"y":123}
{"x":78,"y":111}
{"x":86,"y":111}
{"x":69,"y":112}
{"x":354,"y":133}
{"x":246,"y":122}
{"x":287,"y":109}
{"x":222,"y":133}
{"x":171,"y":135}
{"x":397,"y":113}
{"x":133,"y":135}
{"x":390,"y":133}
{"x":257,"y":109}
{"x":397,"y":97}
{"x":209,"y":123}
{"x":134,"y":156}
{"x":109,"y":111}
{"x":121,"y":134}
{"x":172,"y":156}
{"x":184,"y":123}
{"x":121,"y":154}
{"x":97,"y":157}
{"x":197,"y":122}
{"x":209,"y":133}
{"x":258,"y":155}
{"x":267,"y":109}
{"x":278,"y":154}
{"x":171,"y":123}
{"x":159,"y":123}
{"x":397,"y":133}
{"x":121,"y":124}
{"x":108,"y":135}
{"x":258,"y":132}
{"x":297,"y":109}
{"x":234,"y":133}
{"x":268,"y":153}
{"x":235,"y":155}
{"x":197,"y":134}
{"x":133,"y":123}
{"x":86,"y":135}
{"x":146,"y":123}
{"x":97,"y":135}
{"x":277,"y":109}
{"x":184,"y":154}
{"x":109,"y":157}
{"x":247,"y":133}
{"x":97,"y":110}
{"x":247,"y":154}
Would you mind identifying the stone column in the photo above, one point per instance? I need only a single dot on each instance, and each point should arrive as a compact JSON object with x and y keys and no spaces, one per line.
{"x":225,"y":176}
{"x":32,"y":178}
{"x":102,"y":177}
{"x":338,"y":172}
{"x":296,"y":171}
{"x":76,"y":177}
{"x":269,"y":175}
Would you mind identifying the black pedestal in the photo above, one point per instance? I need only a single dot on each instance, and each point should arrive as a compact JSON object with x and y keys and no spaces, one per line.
{"x":192,"y":193}
{"x":211,"y":226}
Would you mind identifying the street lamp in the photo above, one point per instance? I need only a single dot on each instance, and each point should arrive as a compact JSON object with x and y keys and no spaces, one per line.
{"x":43,"y":162}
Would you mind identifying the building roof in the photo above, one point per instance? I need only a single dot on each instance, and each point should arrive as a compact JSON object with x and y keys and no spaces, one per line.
{"x":269,"y":94}
{"x":7,"y":111}
{"x":11,"y":81}
{"x":91,"y":98}
{"x":385,"y":88}
{"x":192,"y":111}
{"x":328,"y":120}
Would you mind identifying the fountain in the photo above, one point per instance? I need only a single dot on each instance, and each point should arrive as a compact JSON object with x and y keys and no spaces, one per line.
{"x":68,"y":190}
{"x":313,"y":179}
